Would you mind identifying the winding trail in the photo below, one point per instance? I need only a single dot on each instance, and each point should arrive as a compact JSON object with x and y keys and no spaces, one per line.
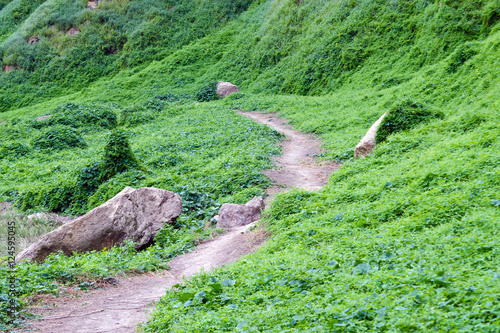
{"x":123,"y":307}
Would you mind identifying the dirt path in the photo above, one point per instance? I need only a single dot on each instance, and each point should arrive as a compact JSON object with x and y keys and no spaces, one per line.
{"x":297,"y":166}
{"x":121,"y":308}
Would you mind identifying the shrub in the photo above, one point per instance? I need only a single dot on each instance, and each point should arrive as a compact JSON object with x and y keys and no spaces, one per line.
{"x":118,"y":156}
{"x":461,"y":54}
{"x":13,"y":150}
{"x":59,"y":137}
{"x":51,"y":198}
{"x":207,"y":93}
{"x":77,"y":115}
{"x":405,"y":115}
{"x":137,"y":115}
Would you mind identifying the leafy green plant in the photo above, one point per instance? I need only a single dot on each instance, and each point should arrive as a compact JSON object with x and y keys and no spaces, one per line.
{"x":131,"y":117}
{"x":404,"y":240}
{"x":463,"y":53}
{"x":13,"y":150}
{"x":207,"y":93}
{"x":403,"y":116}
{"x":118,"y":156}
{"x":58,"y":137}
{"x":78,"y":116}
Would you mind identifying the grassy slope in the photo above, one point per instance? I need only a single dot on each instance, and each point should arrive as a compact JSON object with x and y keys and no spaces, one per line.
{"x":405,"y":240}
{"x":116,"y":35}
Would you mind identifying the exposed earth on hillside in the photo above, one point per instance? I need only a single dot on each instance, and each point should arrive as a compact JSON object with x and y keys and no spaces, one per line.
{"x":122,"y":307}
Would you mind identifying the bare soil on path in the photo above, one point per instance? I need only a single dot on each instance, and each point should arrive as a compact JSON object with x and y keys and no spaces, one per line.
{"x":298,"y":166}
{"x":123,"y":307}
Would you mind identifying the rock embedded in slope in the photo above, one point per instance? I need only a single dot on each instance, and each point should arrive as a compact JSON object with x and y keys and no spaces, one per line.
{"x":367,"y":144}
{"x":73,"y":32}
{"x":33,"y":39}
{"x":233,"y":215}
{"x":226,"y":88}
{"x":133,"y":214}
{"x":91,"y":5}
{"x":43,"y":117}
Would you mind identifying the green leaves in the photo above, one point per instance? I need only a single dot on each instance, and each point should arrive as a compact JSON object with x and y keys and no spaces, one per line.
{"x":57,"y":138}
{"x":118,"y":156}
{"x":228,"y":282}
{"x":405,"y":115}
{"x":207,"y":93}
{"x":79,"y":116}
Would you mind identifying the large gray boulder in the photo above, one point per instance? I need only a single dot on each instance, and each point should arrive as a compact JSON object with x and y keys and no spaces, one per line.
{"x":367,"y":144}
{"x":226,"y":88}
{"x":132,"y":214}
{"x":233,"y":215}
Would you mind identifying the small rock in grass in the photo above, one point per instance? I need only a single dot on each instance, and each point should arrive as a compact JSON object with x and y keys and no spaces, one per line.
{"x":226,"y":88}
{"x":233,"y":215}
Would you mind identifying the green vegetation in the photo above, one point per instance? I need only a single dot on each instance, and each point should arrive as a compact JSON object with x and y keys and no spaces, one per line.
{"x":27,"y":231}
{"x":403,"y":240}
{"x":57,"y":138}
{"x":403,"y":116}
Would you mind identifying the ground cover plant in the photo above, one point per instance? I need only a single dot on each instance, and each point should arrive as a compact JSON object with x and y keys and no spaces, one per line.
{"x":179,"y":147}
{"x":404,"y":240}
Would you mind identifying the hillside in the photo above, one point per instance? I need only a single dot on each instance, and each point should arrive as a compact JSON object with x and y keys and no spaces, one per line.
{"x":404,"y":240}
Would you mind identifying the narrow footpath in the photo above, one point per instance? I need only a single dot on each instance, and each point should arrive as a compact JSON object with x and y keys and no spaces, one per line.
{"x":123,"y":306}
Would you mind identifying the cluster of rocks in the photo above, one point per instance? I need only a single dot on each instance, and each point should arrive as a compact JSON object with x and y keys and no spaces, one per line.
{"x":133,"y":214}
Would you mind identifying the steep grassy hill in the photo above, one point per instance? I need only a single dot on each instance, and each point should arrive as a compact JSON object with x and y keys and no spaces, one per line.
{"x":404,"y":240}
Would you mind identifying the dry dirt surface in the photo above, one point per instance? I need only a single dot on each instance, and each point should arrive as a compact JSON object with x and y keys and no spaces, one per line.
{"x":123,"y":306}
{"x":297,"y":165}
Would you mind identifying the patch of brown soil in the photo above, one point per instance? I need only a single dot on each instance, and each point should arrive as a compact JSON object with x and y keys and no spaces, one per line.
{"x":73,"y":32}
{"x":91,"y":5}
{"x":9,"y":68}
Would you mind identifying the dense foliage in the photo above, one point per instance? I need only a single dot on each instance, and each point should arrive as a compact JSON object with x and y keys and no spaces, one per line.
{"x":117,"y":34}
{"x":403,"y":240}
{"x":403,"y":116}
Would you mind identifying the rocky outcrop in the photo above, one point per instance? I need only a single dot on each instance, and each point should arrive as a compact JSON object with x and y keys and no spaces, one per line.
{"x":367,"y":144}
{"x":5,"y":207}
{"x":233,"y":215}
{"x":226,"y":88}
{"x":135,"y":215}
{"x":43,"y":117}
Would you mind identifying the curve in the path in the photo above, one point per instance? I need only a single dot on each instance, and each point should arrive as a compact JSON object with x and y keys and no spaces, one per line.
{"x":297,"y":165}
{"x":120,"y":309}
